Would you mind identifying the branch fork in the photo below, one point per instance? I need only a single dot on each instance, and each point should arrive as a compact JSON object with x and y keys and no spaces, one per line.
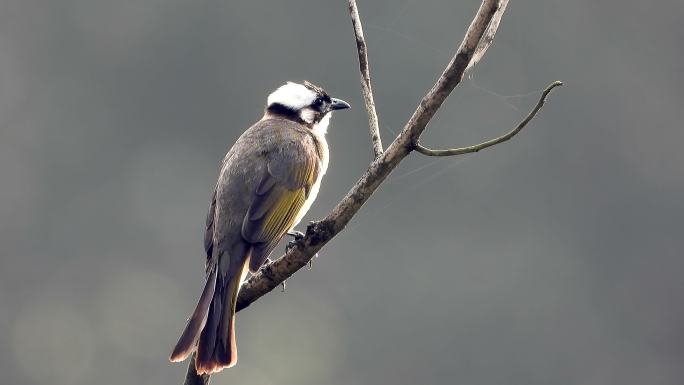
{"x":475,"y":148}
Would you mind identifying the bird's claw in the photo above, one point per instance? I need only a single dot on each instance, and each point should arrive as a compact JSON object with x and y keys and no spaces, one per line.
{"x":298,"y":236}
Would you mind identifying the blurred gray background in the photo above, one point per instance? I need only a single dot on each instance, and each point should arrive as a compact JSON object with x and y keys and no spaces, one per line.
{"x":552,"y":259}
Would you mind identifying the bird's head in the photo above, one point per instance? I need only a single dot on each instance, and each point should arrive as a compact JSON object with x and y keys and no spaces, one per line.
{"x":305,"y":103}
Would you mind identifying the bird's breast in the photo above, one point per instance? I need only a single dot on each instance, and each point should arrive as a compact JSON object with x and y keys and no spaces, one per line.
{"x":313,"y":192}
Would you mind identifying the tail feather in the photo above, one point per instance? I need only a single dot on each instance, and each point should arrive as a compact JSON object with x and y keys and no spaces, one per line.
{"x":217,"y":347}
{"x":204,"y":361}
{"x":187,"y":340}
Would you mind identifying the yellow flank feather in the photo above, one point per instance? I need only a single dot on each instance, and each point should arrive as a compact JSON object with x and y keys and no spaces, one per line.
{"x":280,"y":199}
{"x":281,"y":216}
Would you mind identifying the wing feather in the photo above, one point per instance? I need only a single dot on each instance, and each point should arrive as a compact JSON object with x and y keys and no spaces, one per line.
{"x":279,"y":197}
{"x":209,"y":230}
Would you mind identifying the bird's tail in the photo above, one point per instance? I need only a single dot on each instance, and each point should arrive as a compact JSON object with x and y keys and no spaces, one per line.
{"x":187,"y":340}
{"x":217,"y":348}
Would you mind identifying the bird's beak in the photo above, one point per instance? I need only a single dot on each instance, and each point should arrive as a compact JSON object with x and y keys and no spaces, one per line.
{"x":338,"y":104}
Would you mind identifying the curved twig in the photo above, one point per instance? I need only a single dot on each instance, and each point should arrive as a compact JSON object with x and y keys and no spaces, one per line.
{"x":365,"y":79}
{"x":465,"y":150}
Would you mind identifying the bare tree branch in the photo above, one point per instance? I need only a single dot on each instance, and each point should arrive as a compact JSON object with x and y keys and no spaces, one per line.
{"x":320,"y":233}
{"x":465,"y":150}
{"x":365,"y":79}
{"x":488,"y":37}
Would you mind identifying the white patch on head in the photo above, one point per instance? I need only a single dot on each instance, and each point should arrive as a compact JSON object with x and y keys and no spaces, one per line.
{"x":322,"y":126}
{"x":307,"y":114}
{"x":293,"y":95}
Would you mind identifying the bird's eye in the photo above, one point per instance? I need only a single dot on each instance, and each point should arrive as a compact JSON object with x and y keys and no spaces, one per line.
{"x":317,"y":103}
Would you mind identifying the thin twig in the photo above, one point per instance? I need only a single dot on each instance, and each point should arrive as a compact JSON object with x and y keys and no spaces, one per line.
{"x":465,"y":150}
{"x":366,"y":88}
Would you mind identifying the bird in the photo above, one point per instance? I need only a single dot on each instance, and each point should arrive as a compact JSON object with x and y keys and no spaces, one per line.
{"x":268,"y":180}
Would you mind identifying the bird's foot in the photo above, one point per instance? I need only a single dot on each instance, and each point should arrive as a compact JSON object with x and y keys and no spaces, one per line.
{"x":298,"y":236}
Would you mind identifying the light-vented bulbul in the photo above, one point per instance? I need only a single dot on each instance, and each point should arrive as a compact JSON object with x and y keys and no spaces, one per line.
{"x":268,"y":181}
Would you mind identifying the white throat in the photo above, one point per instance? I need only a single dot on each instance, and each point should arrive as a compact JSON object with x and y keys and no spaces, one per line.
{"x":321,"y":127}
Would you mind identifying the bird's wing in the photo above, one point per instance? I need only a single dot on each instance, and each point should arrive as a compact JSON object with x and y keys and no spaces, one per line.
{"x":291,"y":172}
